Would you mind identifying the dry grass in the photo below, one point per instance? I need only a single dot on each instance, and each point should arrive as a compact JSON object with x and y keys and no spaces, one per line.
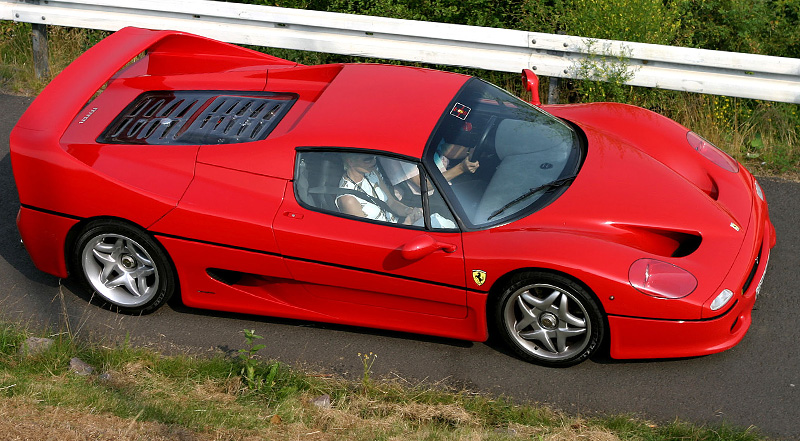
{"x":55,"y":406}
{"x":26,"y":419}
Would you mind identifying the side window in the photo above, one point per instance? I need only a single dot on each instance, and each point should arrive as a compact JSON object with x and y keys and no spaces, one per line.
{"x":441,"y":217}
{"x":368,"y":186}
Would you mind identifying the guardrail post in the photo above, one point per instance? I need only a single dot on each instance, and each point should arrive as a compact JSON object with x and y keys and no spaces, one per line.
{"x":41,"y":63}
{"x":552,"y":90}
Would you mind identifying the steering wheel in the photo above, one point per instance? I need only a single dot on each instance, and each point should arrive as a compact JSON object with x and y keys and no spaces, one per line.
{"x":479,"y":151}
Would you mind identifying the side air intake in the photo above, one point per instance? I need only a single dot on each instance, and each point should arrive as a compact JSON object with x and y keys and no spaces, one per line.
{"x":198,"y":117}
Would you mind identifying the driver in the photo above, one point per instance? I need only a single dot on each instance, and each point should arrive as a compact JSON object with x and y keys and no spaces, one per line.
{"x":447,"y":153}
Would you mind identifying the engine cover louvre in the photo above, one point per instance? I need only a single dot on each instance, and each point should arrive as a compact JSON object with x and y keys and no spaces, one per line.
{"x":198,"y":117}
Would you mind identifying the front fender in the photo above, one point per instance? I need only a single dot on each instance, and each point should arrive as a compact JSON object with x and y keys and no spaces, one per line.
{"x":601,"y":265}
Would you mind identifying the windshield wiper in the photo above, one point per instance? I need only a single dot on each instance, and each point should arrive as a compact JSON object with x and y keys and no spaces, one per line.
{"x":550,"y":185}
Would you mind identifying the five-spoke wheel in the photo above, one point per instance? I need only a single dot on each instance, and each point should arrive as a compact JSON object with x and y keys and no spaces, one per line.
{"x":124,"y":266}
{"x":549,"y":319}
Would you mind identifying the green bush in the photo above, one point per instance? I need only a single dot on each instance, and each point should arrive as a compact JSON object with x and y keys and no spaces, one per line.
{"x":765,"y":134}
{"x":644,"y":21}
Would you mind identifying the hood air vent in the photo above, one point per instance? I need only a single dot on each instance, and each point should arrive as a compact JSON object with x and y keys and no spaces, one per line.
{"x":198,"y":117}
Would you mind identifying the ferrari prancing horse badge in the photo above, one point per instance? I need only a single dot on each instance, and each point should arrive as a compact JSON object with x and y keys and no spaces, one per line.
{"x":479,"y":277}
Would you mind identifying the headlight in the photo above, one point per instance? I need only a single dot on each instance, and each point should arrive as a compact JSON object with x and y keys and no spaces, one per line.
{"x":661,"y":279}
{"x":722,"y":299}
{"x":711,"y":152}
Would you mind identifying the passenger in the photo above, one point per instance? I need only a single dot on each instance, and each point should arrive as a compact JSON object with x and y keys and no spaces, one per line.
{"x":361,"y":175}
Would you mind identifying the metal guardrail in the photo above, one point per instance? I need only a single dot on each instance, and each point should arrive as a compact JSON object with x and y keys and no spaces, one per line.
{"x":666,"y":67}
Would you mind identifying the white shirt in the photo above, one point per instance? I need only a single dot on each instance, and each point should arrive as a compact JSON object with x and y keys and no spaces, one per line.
{"x":370,"y":186}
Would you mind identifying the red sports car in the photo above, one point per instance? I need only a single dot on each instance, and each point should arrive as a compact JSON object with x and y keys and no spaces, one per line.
{"x":386,"y":196}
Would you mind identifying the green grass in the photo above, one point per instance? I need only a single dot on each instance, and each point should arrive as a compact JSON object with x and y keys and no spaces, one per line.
{"x":135,"y":390}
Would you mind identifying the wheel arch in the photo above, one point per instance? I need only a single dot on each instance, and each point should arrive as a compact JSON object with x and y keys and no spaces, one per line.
{"x":78,"y":229}
{"x":503,"y":281}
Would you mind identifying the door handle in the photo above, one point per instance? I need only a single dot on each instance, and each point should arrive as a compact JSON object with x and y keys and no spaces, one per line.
{"x":423,"y":245}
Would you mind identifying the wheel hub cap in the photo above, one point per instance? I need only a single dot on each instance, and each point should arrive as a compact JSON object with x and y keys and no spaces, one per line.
{"x":548,"y":321}
{"x":128,"y":262}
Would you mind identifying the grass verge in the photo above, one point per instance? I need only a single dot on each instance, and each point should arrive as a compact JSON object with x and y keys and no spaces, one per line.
{"x":139,"y":394}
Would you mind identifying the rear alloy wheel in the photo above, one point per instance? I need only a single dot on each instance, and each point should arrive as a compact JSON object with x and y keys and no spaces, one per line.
{"x":549,"y":319}
{"x":124,"y":266}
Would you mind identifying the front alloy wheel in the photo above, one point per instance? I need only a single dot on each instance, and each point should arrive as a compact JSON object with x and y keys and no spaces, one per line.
{"x":549,"y":319}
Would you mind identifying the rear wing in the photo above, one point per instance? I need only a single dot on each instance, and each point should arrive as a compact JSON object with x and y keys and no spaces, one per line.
{"x":168,"y":52}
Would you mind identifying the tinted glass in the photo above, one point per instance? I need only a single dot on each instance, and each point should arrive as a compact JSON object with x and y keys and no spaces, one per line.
{"x":370,"y":187}
{"x":498,"y":158}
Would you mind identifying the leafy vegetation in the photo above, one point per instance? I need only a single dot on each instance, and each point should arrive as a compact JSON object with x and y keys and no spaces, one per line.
{"x":764,"y":135}
{"x":139,"y":394}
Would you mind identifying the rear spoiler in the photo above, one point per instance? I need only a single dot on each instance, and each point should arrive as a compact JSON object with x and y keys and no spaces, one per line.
{"x":77,"y":83}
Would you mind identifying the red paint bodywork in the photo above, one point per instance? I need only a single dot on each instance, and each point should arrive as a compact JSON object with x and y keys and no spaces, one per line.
{"x":233,"y":208}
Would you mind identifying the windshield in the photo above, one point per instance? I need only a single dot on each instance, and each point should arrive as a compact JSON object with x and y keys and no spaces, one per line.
{"x":499,"y":157}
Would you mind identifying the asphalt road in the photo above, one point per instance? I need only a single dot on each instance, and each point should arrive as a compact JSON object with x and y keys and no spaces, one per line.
{"x":757,"y":383}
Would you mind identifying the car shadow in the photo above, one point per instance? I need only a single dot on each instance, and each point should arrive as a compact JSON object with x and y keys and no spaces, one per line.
{"x":11,"y":248}
{"x":602,"y":356}
{"x":495,"y":343}
{"x":176,"y":305}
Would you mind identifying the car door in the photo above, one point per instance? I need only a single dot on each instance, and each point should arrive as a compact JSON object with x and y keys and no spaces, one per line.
{"x":346,"y":261}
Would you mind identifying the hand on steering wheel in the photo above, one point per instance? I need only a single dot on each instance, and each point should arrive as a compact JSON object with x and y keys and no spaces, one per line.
{"x":478,"y":152}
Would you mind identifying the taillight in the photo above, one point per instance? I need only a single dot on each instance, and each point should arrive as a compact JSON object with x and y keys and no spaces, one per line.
{"x":711,"y":152}
{"x":661,"y":279}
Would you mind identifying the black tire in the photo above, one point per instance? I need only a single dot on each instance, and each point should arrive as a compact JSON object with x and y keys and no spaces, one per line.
{"x":124,"y":266}
{"x":548,"y":319}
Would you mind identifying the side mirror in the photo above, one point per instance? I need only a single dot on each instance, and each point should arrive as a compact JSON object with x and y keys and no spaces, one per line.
{"x":531,"y":82}
{"x":422,"y":245}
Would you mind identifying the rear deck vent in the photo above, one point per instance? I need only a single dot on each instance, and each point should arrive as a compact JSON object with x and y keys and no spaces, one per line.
{"x":198,"y":117}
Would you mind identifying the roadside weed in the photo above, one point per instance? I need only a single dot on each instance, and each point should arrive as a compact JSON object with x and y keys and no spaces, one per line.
{"x":367,"y":360}
{"x":247,"y":358}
